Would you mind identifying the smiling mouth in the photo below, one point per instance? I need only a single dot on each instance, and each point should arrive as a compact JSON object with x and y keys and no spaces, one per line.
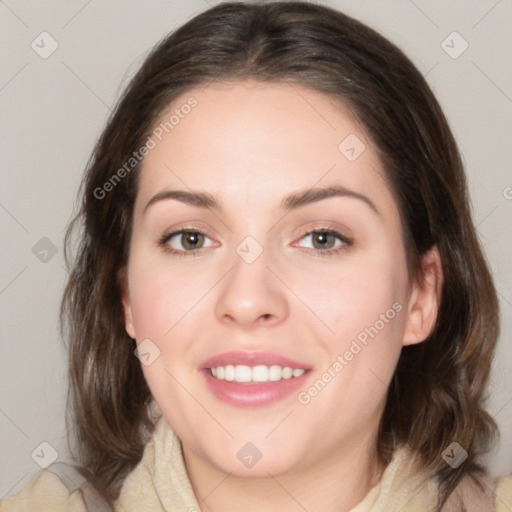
{"x":253,"y":378}
{"x":259,"y":374}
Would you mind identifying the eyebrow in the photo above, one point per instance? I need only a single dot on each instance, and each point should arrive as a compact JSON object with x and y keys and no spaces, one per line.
{"x":290,"y":202}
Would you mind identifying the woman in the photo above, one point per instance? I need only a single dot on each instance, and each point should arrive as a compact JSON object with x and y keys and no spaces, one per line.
{"x":279,"y":300}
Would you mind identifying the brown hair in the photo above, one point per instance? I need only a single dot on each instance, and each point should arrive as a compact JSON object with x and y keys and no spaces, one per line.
{"x":437,"y":392}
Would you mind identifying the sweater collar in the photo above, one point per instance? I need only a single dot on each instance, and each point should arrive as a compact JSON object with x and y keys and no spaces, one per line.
{"x":160,"y":481}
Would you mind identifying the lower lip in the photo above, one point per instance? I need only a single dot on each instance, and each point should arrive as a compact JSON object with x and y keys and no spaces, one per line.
{"x":253,"y":395}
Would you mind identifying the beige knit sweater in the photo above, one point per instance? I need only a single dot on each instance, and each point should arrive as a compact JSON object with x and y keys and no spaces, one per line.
{"x":160,"y":483}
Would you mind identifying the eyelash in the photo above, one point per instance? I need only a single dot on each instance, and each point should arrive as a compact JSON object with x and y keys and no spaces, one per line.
{"x":347,"y":242}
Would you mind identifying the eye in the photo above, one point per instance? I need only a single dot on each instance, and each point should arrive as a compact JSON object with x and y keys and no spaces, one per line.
{"x":189,"y":242}
{"x":183,"y":242}
{"x":324,"y":241}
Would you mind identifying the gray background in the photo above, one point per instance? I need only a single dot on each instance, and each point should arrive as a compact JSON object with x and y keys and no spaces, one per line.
{"x":52,"y":110}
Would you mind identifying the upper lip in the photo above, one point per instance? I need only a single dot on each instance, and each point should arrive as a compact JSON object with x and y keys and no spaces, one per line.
{"x":252,"y":359}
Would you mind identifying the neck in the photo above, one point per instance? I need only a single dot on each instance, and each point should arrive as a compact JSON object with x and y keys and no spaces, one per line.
{"x":335,"y":484}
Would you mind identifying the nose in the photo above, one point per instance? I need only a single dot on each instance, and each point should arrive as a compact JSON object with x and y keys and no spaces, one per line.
{"x":251,"y":295}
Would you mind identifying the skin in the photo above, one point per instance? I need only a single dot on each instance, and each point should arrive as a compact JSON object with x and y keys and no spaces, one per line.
{"x":251,"y":144}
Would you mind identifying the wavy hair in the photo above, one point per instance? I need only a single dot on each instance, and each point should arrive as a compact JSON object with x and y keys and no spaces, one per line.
{"x":438,"y":391}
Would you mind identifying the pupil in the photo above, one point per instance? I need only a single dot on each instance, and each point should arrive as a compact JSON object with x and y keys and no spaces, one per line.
{"x":322,"y":238}
{"x":191,"y":239}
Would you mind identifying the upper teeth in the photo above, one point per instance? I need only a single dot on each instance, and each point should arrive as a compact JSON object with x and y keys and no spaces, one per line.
{"x":261,"y":373}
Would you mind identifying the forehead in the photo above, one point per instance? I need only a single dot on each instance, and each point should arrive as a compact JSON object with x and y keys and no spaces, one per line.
{"x":248,"y":140}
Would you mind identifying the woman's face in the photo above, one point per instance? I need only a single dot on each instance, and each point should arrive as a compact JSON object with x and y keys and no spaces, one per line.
{"x":303,"y":330}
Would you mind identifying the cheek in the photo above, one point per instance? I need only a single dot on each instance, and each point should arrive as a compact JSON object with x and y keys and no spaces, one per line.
{"x":164,"y":307}
{"x":168,"y":306}
{"x":364,"y":308}
{"x":358,"y":294}
{"x":161,"y":296}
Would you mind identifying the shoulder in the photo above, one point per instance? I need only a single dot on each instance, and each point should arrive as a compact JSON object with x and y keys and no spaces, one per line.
{"x":483,"y":494}
{"x":404,"y":480}
{"x":45,"y":491}
{"x":503,"y":494}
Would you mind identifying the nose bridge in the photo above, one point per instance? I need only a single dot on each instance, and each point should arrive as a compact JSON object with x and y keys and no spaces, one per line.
{"x":251,"y":292}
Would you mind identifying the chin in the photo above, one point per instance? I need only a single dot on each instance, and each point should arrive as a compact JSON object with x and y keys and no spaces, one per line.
{"x":261,"y":469}
{"x":253,"y":460}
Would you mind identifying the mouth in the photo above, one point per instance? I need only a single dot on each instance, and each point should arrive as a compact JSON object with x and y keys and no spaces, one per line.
{"x":256,"y":374}
{"x":248,"y":379}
